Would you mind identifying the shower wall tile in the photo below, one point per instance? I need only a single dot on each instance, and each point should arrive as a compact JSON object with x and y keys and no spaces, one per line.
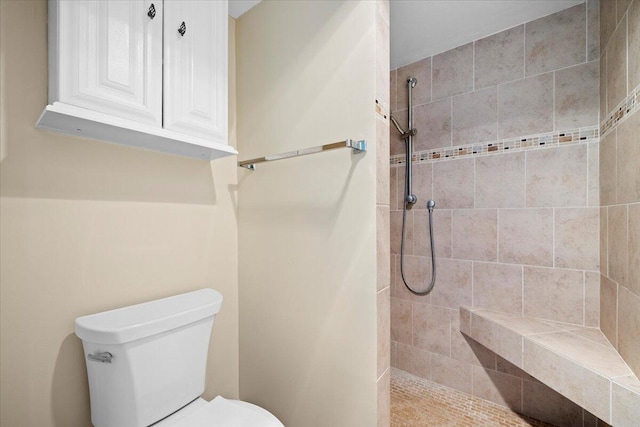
{"x":628,"y":160}
{"x":454,"y":278}
{"x":608,"y":21}
{"x":432,"y":328}
{"x":525,"y":106}
{"x":554,"y":294}
{"x":604,"y":253}
{"x":401,"y":329}
{"x":422,"y":184}
{"x":441,"y":233}
{"x":555,"y":41}
{"x":453,"y":184}
{"x":413,"y":360}
{"x":497,"y":287}
{"x":633,"y":20}
{"x":393,"y":91}
{"x":453,"y":72}
{"x":383,"y":228}
{"x":625,"y":402}
{"x":593,"y":30}
{"x":417,"y":271}
{"x":499,"y":58}
{"x":608,"y":169}
{"x":526,"y":236}
{"x":434,"y":122}
{"x":617,"y":66}
{"x":545,"y":404}
{"x":393,"y":188}
{"x":621,"y":9}
{"x":468,"y":350}
{"x":452,"y":373}
{"x":498,"y":387}
{"x":576,"y":96}
{"x":592,"y":299}
{"x":557,"y":177}
{"x":503,"y":365}
{"x":400,"y":190}
{"x":609,"y":309}
{"x":603,"y":86}
{"x":629,"y":327}
{"x":501,"y":181}
{"x":396,"y":232}
{"x":475,"y":234}
{"x":475,"y":116}
{"x":384,"y":330}
{"x":634,"y":248}
{"x":617,"y":243}
{"x":577,"y":234}
{"x":593,"y":172}
{"x":421,"y":70}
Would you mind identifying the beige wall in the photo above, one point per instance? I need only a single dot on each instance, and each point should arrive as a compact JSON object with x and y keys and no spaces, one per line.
{"x":620,"y":179}
{"x":307,"y":226}
{"x":88,"y":226}
{"x":515,"y":230}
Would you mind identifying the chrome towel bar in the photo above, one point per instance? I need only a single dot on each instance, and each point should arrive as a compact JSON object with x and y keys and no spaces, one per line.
{"x":356,"y":146}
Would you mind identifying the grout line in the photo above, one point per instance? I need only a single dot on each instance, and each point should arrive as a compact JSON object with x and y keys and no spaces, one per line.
{"x":553,"y":102}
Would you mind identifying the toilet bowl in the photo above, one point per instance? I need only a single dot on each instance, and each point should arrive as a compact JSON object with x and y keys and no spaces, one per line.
{"x":146,"y":365}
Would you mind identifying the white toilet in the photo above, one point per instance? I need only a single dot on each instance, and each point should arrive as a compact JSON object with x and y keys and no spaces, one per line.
{"x":146,"y":365}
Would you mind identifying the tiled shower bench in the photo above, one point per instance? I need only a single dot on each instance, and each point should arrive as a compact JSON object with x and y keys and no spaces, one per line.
{"x":576,"y":361}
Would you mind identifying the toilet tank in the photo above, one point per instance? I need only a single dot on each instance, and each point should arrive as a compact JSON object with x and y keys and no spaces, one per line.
{"x":146,"y":361}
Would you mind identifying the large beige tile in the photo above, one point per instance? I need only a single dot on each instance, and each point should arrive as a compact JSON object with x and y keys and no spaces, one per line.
{"x":393,"y":188}
{"x":383,"y":247}
{"x":475,"y":234}
{"x":499,"y":58}
{"x":401,"y":317}
{"x":608,"y":167}
{"x":568,"y":378}
{"x":609,"y":309}
{"x":433,"y":122}
{"x":593,"y":30}
{"x":393,"y":91}
{"x":397,"y":145}
{"x":502,"y":340}
{"x":432,"y":328}
{"x":422,"y":184}
{"x":500,"y":181}
{"x":557,"y":177}
{"x":621,"y":9}
{"x":452,"y":373}
{"x":466,"y":349}
{"x":625,"y":401}
{"x":421,"y":70}
{"x":453,"y":72}
{"x":441,"y":233}
{"x":498,"y":387}
{"x":617,"y":243}
{"x":555,"y":41}
{"x":413,"y":360}
{"x":544,"y":404}
{"x":497,"y":287}
{"x":384,"y":330}
{"x":628,"y":160}
{"x":475,"y":116}
{"x":576,"y":239}
{"x":384,"y":400}
{"x":617,"y":66}
{"x":526,"y":236}
{"x":503,"y":365}
{"x":396,"y":232}
{"x":525,"y":106}
{"x":603,"y":86}
{"x":608,"y":21}
{"x":633,"y":250}
{"x":453,"y":184}
{"x":382,"y":161}
{"x":401,"y":176}
{"x":634,"y":45}
{"x":629,"y":328}
{"x":554,"y":294}
{"x":453,"y":283}
{"x":604,"y":254}
{"x":394,"y":352}
{"x":593,"y":191}
{"x":592,"y":298}
{"x":576,"y":96}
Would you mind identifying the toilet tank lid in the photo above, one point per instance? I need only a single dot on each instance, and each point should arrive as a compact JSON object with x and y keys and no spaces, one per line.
{"x":142,"y":320}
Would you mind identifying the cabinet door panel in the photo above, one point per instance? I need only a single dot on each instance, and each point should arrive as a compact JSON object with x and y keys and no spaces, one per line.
{"x":195,"y":68}
{"x":113,"y":53}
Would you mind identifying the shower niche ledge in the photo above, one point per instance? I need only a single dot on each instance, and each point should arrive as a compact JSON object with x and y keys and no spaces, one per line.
{"x":576,"y":361}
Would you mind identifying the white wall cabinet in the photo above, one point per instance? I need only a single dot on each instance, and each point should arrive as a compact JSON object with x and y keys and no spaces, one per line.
{"x":150,"y":73}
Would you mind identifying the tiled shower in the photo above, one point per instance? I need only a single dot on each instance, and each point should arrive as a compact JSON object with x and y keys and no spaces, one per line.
{"x":528,"y":142}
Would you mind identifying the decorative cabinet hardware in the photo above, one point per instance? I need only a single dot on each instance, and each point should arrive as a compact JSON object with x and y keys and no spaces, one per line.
{"x":110,"y":81}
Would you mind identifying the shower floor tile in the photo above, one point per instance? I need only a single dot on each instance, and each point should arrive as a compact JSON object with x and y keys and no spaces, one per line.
{"x":416,"y":402}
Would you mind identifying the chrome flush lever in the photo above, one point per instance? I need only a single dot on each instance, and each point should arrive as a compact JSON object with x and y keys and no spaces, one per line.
{"x":104,"y":357}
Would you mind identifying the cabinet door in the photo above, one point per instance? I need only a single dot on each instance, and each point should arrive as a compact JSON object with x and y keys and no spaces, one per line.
{"x":110,"y":57}
{"x":195,"y":68}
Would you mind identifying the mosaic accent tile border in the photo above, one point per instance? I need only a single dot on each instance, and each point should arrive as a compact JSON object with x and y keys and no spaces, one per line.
{"x":626,"y":108}
{"x":542,"y":140}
